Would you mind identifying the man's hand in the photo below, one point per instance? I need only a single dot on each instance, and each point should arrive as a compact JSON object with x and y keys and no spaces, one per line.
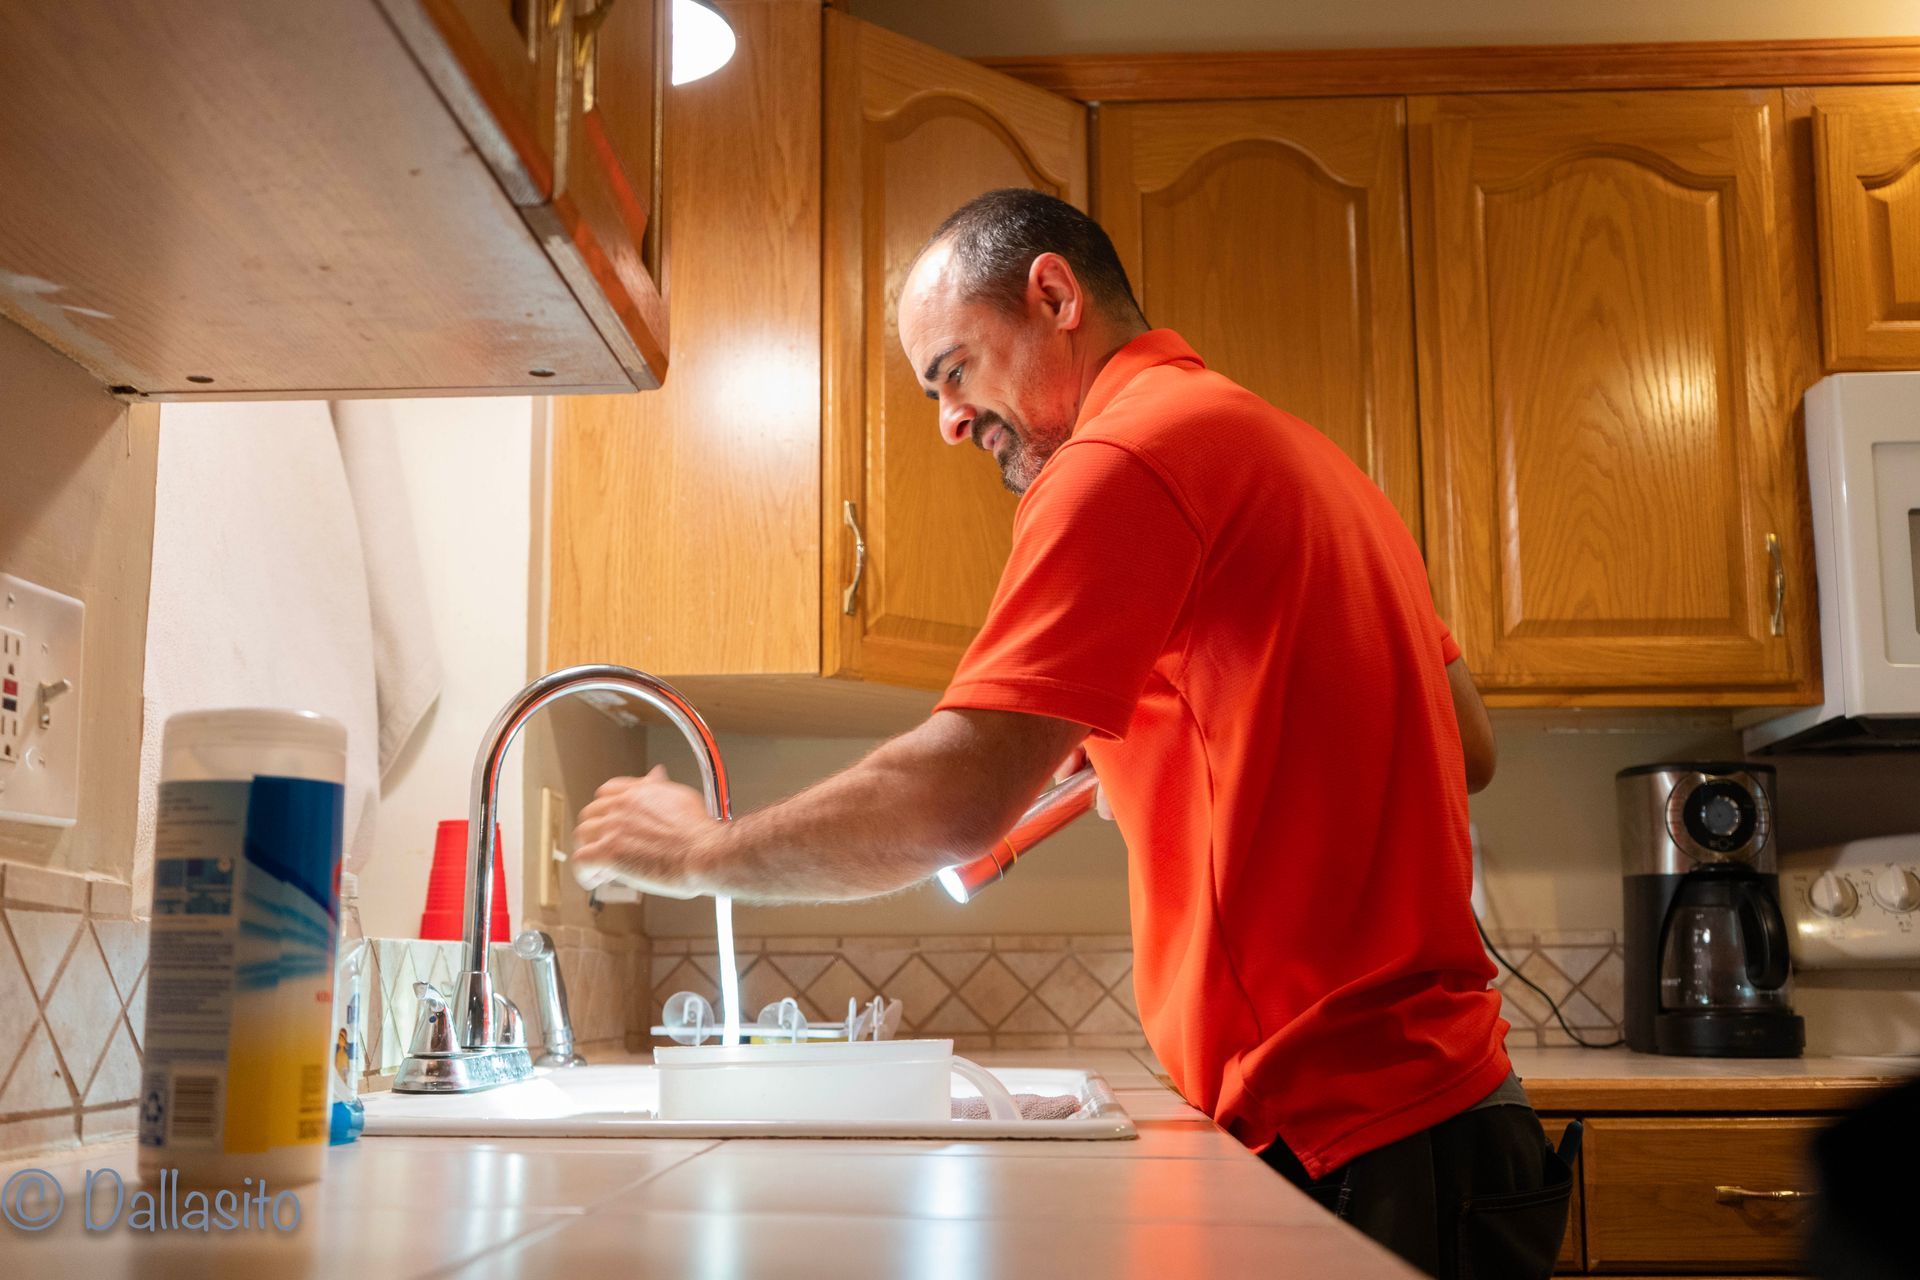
{"x":647,"y":832}
{"x":1076,"y":761}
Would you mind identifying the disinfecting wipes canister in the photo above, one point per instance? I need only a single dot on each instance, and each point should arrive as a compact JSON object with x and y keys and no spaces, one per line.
{"x":240,"y":962}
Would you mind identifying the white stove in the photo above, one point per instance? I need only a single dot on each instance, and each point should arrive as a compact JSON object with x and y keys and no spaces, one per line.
{"x":1853,"y":928}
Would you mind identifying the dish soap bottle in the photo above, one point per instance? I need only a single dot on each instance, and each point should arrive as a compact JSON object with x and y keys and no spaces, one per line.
{"x":349,"y":1114}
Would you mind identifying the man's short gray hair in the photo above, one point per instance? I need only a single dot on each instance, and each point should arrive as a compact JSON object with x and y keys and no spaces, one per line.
{"x":997,"y":236}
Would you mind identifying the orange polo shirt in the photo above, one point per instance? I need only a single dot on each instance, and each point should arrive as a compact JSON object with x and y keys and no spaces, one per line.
{"x":1240,"y":617}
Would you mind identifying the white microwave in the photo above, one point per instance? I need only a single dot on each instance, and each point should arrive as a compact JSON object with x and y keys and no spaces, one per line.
{"x":1863,"y":473}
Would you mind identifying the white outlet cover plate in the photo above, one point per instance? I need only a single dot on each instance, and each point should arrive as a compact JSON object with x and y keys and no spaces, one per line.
{"x":42,"y":785}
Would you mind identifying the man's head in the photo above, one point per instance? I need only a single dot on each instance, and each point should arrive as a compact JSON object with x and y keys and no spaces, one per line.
{"x":1011,"y":308}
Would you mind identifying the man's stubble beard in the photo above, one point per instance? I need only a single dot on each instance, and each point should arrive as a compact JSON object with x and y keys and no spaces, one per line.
{"x":1021,"y":456}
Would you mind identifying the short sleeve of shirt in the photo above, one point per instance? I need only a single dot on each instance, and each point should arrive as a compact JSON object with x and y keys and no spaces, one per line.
{"x":1103,"y":564}
{"x":1449,"y":647}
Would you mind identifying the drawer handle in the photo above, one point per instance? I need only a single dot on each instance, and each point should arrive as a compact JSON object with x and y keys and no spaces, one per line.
{"x":859,"y":559}
{"x":1735,"y":1195}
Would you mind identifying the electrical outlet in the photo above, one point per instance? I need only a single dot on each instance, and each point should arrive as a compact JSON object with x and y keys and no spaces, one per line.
{"x":12,"y":654}
{"x":553,"y":832}
{"x":41,"y":634}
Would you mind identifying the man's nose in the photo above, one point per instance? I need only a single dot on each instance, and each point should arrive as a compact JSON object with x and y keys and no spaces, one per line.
{"x":956,"y":422}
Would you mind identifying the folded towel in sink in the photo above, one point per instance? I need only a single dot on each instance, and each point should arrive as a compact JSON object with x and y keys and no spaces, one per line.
{"x":1033,"y":1106}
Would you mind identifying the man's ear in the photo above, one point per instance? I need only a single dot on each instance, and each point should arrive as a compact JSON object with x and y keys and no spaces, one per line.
{"x":1054,"y":292}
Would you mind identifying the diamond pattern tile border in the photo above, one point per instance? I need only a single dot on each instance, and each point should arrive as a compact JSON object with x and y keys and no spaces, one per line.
{"x":985,"y":991}
{"x":1076,"y":991}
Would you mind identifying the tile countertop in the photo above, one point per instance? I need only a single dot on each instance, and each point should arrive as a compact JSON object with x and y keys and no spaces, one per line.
{"x":1183,"y":1200}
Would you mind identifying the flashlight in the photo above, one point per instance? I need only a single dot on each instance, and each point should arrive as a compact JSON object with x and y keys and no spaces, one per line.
{"x":1055,"y":808}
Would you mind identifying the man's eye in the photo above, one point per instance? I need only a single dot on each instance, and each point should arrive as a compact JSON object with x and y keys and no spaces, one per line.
{"x":953,"y":375}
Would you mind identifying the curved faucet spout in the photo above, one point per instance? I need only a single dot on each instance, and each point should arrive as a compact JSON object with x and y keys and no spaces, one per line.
{"x":474,"y":1009}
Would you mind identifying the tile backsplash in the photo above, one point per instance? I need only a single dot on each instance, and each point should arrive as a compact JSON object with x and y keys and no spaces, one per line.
{"x":604,"y":976}
{"x":1076,"y":991}
{"x":72,"y":1008}
{"x":73,"y":960}
{"x":984,"y":991}
{"x":73,"y":993}
{"x":1582,"y":969}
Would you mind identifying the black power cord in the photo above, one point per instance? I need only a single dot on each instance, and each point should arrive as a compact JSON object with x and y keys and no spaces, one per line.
{"x":1552,"y":1004}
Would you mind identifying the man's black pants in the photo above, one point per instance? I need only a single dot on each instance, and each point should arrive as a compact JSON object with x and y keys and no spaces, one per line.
{"x":1478,"y":1197}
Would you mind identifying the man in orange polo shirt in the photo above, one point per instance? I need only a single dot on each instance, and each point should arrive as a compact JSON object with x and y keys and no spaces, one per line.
{"x":1230,"y":619}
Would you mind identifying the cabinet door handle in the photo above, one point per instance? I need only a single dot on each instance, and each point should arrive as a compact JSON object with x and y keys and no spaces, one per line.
{"x":1734,"y":1195}
{"x":531,"y":16}
{"x":1779,"y":619}
{"x":859,"y":559}
{"x":586,"y":52}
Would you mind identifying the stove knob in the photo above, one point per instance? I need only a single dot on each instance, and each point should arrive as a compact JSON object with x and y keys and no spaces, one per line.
{"x":1833,"y":895}
{"x":1896,"y":889}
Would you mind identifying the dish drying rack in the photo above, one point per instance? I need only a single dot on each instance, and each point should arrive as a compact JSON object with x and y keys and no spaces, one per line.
{"x":687,"y":1018}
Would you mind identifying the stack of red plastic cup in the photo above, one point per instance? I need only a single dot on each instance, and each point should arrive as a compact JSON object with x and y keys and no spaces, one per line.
{"x":446,"y":914}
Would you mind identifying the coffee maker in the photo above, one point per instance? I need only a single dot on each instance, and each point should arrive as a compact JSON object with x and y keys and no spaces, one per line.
{"x":1706,"y":946}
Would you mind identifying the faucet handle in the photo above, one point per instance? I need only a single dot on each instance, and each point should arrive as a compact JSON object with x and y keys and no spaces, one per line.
{"x":512,"y":1033}
{"x":433,"y":1030}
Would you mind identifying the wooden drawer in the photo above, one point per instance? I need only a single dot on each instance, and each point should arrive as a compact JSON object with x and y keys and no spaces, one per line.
{"x":1653,"y":1200}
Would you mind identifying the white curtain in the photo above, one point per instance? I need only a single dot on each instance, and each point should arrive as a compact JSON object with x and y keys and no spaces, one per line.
{"x":285,"y":574}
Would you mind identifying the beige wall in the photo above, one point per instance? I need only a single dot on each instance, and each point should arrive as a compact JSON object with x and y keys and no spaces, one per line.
{"x":987,"y":28}
{"x":466,"y":465}
{"x":570,"y":748}
{"x":1548,"y":830}
{"x":1549,"y":827}
{"x":1075,"y":883}
{"x":76,"y":515}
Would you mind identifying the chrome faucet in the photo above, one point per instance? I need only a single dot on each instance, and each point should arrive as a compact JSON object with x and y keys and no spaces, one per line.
{"x":490,"y":1049}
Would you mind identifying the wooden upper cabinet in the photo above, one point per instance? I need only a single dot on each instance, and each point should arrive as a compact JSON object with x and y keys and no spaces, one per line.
{"x":686,"y":522}
{"x":1610,"y":362}
{"x":607,"y":205}
{"x":1273,"y":236}
{"x":1866,"y":146}
{"x":566,"y":100}
{"x":700,"y":531}
{"x":911,"y":134}
{"x":326,"y":199}
{"x":495,"y":63}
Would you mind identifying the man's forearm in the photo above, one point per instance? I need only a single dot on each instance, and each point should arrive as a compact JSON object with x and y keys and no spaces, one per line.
{"x":925,"y":800}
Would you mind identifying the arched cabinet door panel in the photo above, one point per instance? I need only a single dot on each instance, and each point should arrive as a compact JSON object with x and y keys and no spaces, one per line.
{"x":1866,"y":145}
{"x":1611,"y":360}
{"x":1273,"y":236}
{"x":911,"y":133}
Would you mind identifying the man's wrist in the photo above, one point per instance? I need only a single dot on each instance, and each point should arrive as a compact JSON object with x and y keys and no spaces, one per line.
{"x":708,"y":859}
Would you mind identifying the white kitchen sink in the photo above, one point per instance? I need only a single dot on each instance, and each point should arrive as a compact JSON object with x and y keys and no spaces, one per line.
{"x":621,"y":1101}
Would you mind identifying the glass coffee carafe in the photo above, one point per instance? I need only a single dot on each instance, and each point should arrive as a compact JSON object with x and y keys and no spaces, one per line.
{"x":1725,"y":949}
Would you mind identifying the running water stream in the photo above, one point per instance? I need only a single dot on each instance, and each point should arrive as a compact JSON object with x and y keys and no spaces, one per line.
{"x":729,"y":971}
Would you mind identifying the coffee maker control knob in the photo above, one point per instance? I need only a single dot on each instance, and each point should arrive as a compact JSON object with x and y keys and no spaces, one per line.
{"x":1833,"y":895}
{"x":1897,"y":889}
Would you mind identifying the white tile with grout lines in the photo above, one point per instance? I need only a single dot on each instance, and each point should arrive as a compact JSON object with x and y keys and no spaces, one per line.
{"x":44,"y":938}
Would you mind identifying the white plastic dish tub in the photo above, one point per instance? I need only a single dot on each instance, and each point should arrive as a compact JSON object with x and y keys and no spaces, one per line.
{"x":895,"y":1081}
